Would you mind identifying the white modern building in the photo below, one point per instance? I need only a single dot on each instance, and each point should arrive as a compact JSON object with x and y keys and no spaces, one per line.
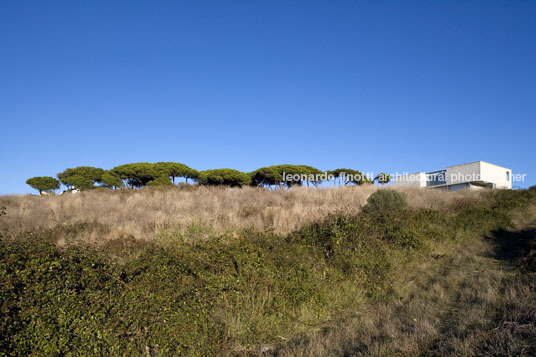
{"x":473,"y":175}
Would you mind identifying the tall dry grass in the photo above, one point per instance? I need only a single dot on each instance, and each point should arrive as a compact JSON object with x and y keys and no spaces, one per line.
{"x":146,"y":212}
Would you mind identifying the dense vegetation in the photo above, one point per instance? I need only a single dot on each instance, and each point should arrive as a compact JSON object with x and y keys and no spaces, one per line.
{"x":226,"y":177}
{"x":142,"y":174}
{"x":221,"y":296}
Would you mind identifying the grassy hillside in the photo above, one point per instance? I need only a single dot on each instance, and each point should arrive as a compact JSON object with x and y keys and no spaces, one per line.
{"x":146,"y":212}
{"x":345,"y":282}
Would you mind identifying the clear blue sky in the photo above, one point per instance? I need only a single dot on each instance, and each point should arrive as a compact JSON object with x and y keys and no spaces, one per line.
{"x":375,"y":85}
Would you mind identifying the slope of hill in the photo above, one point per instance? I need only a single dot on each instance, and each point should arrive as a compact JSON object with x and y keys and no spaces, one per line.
{"x":448,"y":275}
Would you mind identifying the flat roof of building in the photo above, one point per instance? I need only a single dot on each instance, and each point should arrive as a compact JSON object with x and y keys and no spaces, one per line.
{"x":472,"y":162}
{"x":468,"y":163}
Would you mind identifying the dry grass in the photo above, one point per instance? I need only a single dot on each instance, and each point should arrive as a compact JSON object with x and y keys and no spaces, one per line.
{"x":147,"y":212}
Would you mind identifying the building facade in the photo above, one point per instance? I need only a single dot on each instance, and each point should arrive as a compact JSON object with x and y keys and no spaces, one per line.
{"x":473,"y":175}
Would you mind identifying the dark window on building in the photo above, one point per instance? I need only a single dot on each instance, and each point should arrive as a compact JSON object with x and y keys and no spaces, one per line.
{"x":436,"y":178}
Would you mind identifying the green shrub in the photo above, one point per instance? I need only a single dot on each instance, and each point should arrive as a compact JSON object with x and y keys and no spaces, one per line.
{"x":406,"y":237}
{"x":482,"y":218}
{"x":385,"y":201}
{"x":182,"y":299}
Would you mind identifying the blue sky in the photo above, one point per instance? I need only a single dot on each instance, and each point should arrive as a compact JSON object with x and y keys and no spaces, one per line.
{"x":374,"y":86}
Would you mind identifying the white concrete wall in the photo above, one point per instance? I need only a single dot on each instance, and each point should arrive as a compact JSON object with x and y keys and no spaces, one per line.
{"x":417,"y":179}
{"x":463,"y":173}
{"x":500,"y":176}
{"x":477,"y":172}
{"x":480,"y":171}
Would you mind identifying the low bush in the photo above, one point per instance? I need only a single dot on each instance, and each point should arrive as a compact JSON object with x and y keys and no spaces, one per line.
{"x":203,"y":298}
{"x":385,"y":201}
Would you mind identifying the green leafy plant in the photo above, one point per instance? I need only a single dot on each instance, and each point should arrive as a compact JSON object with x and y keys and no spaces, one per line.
{"x":385,"y":201}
